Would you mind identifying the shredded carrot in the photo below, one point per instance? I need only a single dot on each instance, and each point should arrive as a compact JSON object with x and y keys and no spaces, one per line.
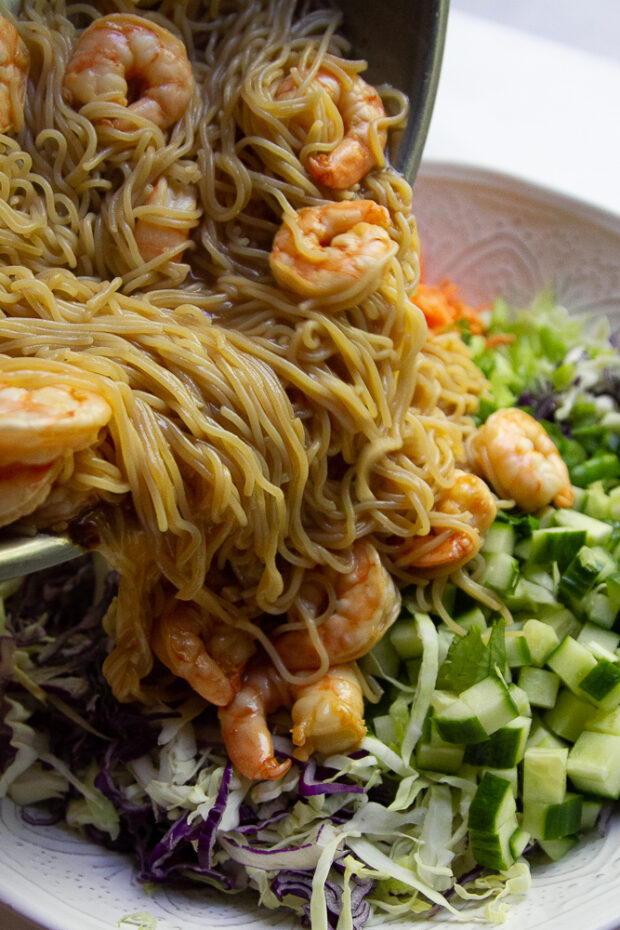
{"x":500,"y":339}
{"x":442,"y":306}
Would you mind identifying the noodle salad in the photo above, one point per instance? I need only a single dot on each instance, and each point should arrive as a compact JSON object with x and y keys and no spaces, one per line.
{"x":383,"y":831}
{"x":343,"y":634}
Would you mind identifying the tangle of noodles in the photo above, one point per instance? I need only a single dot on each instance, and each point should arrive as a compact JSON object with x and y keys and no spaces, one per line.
{"x":255,"y":435}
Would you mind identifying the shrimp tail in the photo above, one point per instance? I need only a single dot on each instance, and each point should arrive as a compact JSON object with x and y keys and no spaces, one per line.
{"x":243,"y":724}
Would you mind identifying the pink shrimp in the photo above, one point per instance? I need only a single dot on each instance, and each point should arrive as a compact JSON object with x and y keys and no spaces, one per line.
{"x":327,"y":717}
{"x":364,"y":135}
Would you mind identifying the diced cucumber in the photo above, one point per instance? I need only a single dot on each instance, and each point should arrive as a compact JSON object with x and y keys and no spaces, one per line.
{"x":527,"y":595}
{"x":553,"y":821}
{"x":562,"y":620}
{"x":544,"y":775}
{"x":594,"y":764}
{"x":493,"y":850}
{"x":405,"y":639}
{"x":605,"y":721}
{"x":519,"y":841}
{"x":541,"y":735}
{"x":591,"y":633}
{"x":517,"y":649}
{"x":511,"y":775}
{"x":557,"y":849}
{"x":491,"y":702}
{"x":598,"y":532}
{"x":521,"y":700}
{"x":612,"y":584}
{"x":459,"y":724}
{"x":441,"y":700}
{"x":597,"y":503}
{"x":572,"y":662}
{"x":590,"y":812}
{"x":500,"y":537}
{"x":500,"y":572}
{"x":492,"y":805}
{"x":472,"y":618}
{"x":540,"y":685}
{"x":438,"y":755}
{"x":581,"y":575}
{"x":569,"y":716}
{"x":597,"y":607}
{"x":556,"y":544}
{"x":541,"y":639}
{"x":504,"y":748}
{"x":602,"y":684}
{"x":384,"y":728}
{"x":382,"y":661}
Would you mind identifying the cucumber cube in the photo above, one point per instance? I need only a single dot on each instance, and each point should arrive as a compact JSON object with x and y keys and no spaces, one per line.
{"x":458,"y":724}
{"x":556,"y":544}
{"x":493,"y":850}
{"x":472,"y":618}
{"x":572,"y":662}
{"x":437,"y":755}
{"x":500,"y":572}
{"x":544,"y":774}
{"x":594,"y":764}
{"x":562,"y":620}
{"x":499,"y":538}
{"x":602,"y":684}
{"x":563,"y":819}
{"x":382,"y":661}
{"x":492,"y":805}
{"x":541,"y":639}
{"x":540,"y":735}
{"x":517,"y":650}
{"x":557,"y":849}
{"x":504,"y":748}
{"x":511,"y":775}
{"x":519,"y":841}
{"x":569,"y":716}
{"x":592,"y":634}
{"x":491,"y":702}
{"x":540,"y":685}
{"x":598,"y":607}
{"x":385,"y":729}
{"x":590,"y":812}
{"x":405,"y":638}
{"x":598,"y":532}
{"x":603,"y":721}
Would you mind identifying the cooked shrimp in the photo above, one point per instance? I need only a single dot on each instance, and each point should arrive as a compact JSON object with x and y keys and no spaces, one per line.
{"x":166,"y":226}
{"x":367,"y":603}
{"x":443,"y":550}
{"x":327,"y":717}
{"x":328,"y":714}
{"x":513,"y":451}
{"x":322,"y":251}
{"x":14,"y":66}
{"x":365,"y":135}
{"x":243,"y":722}
{"x":40,"y":425}
{"x":23,"y":488}
{"x":208,"y":656}
{"x":120,"y":53}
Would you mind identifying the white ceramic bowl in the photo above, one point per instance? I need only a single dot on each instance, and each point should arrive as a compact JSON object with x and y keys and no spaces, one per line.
{"x":493,"y":235}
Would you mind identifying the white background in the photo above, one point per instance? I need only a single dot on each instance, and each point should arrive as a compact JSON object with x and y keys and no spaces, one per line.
{"x":530,"y":87}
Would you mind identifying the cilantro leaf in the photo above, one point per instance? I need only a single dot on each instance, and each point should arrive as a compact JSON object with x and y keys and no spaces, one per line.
{"x":470,"y":659}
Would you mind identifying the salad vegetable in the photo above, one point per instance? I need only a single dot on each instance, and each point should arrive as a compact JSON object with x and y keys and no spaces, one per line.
{"x":493,"y":713}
